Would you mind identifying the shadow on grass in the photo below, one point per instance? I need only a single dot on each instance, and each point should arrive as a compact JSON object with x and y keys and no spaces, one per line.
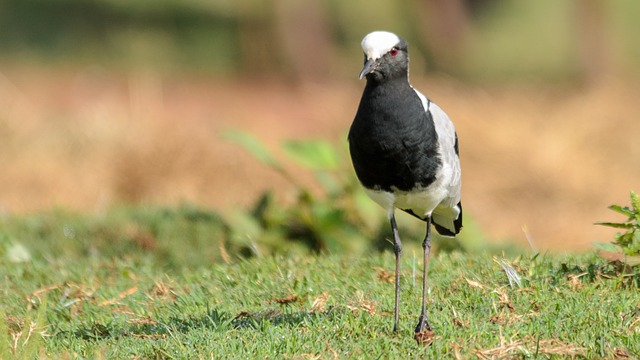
{"x":223,"y":321}
{"x":213,"y":320}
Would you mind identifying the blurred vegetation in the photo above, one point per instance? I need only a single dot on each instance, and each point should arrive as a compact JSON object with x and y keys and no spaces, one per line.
{"x":302,"y":40}
{"x":340,"y":211}
{"x":338,"y":219}
{"x":310,"y":40}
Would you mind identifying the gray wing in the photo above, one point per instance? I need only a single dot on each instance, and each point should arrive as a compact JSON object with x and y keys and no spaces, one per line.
{"x":448,"y":214}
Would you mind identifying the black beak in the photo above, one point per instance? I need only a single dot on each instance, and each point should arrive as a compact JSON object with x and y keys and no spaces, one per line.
{"x":369,"y":66}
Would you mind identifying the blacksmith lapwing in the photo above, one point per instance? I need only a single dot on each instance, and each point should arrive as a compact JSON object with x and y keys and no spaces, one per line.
{"x":404,"y":150}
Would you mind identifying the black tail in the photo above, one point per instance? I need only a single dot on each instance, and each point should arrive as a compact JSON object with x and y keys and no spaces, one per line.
{"x":457,"y":224}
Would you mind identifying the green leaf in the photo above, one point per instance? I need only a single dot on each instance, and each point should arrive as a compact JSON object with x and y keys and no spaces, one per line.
{"x":313,"y":154}
{"x":253,"y":146}
{"x":616,"y":225}
{"x":622,"y":210}
{"x":606,"y":247}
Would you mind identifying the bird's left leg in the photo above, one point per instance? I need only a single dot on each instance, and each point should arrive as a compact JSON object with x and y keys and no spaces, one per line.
{"x":423,"y":322}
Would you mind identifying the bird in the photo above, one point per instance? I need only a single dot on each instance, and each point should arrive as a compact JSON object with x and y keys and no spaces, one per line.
{"x":404,"y":150}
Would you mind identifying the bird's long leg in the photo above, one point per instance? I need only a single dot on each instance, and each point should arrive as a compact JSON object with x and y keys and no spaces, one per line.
{"x":423,"y":322}
{"x":397,"y":249}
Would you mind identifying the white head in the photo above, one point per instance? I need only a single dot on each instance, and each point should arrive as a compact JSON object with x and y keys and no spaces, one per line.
{"x":378,"y":43}
{"x":386,"y":55}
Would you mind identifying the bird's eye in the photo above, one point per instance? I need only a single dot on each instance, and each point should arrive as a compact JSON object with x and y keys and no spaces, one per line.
{"x":393,"y":51}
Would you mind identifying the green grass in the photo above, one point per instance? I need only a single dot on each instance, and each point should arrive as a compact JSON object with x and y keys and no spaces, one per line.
{"x":142,"y":303}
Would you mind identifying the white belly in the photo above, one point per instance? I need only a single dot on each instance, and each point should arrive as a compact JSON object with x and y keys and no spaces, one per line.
{"x":422,"y":201}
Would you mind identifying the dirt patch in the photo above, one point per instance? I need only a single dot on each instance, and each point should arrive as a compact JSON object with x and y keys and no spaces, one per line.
{"x":548,"y":158}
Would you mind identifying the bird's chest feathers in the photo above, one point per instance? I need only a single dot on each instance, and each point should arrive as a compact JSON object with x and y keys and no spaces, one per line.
{"x":393,"y":141}
{"x":391,"y":127}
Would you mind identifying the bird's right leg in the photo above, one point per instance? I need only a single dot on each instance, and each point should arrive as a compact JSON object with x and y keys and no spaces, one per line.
{"x":397,"y":250}
{"x":423,"y":321}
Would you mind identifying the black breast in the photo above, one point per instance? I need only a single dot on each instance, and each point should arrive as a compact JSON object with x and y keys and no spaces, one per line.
{"x":393,"y":141}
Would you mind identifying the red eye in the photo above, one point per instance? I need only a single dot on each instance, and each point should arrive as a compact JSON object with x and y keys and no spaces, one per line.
{"x":393,"y":51}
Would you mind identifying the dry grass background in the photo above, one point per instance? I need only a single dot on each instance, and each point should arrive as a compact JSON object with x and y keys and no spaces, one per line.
{"x":550,"y":158}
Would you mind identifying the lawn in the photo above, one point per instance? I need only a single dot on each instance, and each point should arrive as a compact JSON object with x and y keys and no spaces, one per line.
{"x":137,"y":301}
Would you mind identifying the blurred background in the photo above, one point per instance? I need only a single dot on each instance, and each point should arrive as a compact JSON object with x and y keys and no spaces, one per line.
{"x":111,"y":102}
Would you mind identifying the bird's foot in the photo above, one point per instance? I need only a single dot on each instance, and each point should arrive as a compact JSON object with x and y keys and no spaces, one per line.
{"x":423,"y":324}
{"x":423,"y":334}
